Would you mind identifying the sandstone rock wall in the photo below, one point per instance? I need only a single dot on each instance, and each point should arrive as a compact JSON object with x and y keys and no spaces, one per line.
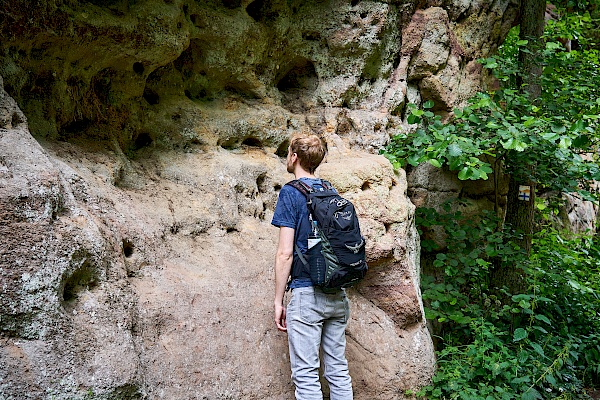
{"x":136,"y":257}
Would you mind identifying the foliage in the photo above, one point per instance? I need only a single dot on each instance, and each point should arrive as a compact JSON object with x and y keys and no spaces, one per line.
{"x":555,"y":137}
{"x":542,"y":344}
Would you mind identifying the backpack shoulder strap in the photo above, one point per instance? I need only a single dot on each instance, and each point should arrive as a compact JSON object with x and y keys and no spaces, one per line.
{"x":302,"y":187}
{"x":326,"y":184}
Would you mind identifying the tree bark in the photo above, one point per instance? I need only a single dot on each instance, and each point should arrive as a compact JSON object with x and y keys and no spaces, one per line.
{"x":531,"y":28}
{"x":520,"y":212}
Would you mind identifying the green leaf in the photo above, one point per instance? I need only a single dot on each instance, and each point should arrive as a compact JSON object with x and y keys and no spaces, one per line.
{"x":538,"y":349}
{"x":509,"y":144}
{"x":543,"y":318}
{"x":520,"y":145}
{"x":525,"y":304}
{"x":454,"y":150}
{"x":465,"y":173}
{"x":486,"y":168}
{"x":565,"y":142}
{"x":455,"y":164}
{"x":540,"y":329}
{"x":413,"y":159}
{"x":529,"y":121}
{"x":550,"y":136}
{"x":519,"y":380}
{"x":435,"y":163}
{"x":531,"y":394}
{"x":474,"y":118}
{"x":428,"y":104}
{"x":413,"y":119}
{"x":519,"y":334}
{"x":493,"y":125}
{"x":550,"y":379}
{"x":558,"y":128}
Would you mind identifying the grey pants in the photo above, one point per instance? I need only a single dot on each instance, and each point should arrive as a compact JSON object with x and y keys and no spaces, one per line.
{"x":316,"y":320}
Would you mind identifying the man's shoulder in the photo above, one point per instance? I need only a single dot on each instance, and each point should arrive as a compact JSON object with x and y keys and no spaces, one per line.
{"x":289,"y":189}
{"x":289,"y":204}
{"x":292,"y":196}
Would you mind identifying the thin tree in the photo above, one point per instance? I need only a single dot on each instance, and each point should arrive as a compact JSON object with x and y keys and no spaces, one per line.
{"x":521,"y":190}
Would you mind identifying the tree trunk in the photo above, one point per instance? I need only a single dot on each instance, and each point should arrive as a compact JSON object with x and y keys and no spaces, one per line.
{"x":519,"y":213}
{"x":519,"y":209}
{"x":520,"y":217}
{"x":531,"y":29}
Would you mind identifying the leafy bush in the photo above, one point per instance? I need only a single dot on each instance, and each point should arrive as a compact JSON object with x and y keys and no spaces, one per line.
{"x":542,"y":344}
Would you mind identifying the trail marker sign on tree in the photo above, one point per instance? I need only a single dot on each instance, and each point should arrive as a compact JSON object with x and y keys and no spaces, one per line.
{"x":524,"y":192}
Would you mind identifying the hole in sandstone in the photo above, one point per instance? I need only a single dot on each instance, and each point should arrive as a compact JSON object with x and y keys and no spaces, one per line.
{"x":282,"y":150}
{"x":9,"y":89}
{"x":354,"y":2}
{"x":150,"y":96}
{"x":277,"y":188}
{"x":365,"y":186}
{"x":197,"y":21}
{"x":254,"y":10}
{"x":231,"y":4}
{"x":344,"y":127}
{"x":127,"y":248}
{"x":300,"y":74}
{"x":253,"y":142}
{"x":138,"y":68}
{"x":75,"y":127}
{"x":15,"y":120}
{"x":311,"y":35}
{"x":260,"y":11}
{"x":102,"y":84}
{"x":143,"y":139}
{"x":260,"y":183}
{"x":231,"y":230}
{"x":81,"y":279}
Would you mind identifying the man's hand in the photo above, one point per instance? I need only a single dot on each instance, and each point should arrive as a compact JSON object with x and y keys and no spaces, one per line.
{"x":280,"y":317}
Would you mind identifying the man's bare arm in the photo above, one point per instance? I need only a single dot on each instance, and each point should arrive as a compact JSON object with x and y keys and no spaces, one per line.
{"x":283,"y":268}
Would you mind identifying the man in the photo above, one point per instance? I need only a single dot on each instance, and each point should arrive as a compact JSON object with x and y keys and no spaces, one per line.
{"x":313,"y":320}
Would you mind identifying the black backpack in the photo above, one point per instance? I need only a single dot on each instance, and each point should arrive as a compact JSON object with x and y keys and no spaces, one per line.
{"x":338,"y":259}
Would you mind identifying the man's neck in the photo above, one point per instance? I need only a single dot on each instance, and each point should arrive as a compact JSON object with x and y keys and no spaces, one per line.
{"x":300,"y":172}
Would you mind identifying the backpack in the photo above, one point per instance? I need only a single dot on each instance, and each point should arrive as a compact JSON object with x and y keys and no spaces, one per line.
{"x":336,"y":257}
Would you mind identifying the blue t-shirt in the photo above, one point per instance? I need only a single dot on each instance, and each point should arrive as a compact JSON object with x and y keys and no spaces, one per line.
{"x":291,"y":212}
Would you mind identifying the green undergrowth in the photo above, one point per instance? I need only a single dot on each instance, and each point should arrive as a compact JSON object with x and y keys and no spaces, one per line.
{"x":543,"y":343}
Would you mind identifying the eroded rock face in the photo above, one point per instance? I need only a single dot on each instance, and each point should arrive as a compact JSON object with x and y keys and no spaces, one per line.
{"x":137,"y":253}
{"x":154,"y":278}
{"x":152,"y":70}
